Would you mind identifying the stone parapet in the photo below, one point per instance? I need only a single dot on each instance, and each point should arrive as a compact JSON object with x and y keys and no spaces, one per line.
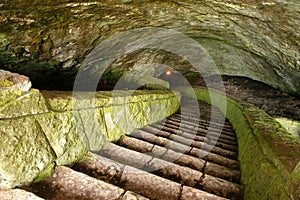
{"x":42,"y":129}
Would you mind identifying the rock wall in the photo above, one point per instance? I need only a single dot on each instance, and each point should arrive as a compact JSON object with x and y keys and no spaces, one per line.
{"x":48,"y":40}
{"x":268,"y":154}
{"x":41,"y":130}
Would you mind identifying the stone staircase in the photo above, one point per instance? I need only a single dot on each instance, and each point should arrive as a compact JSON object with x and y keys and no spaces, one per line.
{"x":166,"y":160}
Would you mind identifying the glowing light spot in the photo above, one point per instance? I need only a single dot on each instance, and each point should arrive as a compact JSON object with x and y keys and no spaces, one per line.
{"x":168,"y":73}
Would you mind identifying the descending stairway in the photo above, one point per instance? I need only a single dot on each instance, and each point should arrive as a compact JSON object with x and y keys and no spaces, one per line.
{"x":166,"y":160}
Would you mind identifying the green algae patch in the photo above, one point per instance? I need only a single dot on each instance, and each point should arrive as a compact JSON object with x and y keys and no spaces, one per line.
{"x":61,"y":132}
{"x":91,"y":128}
{"x":107,"y":115}
{"x":6,"y":83}
{"x":29,"y":103}
{"x":137,"y":111}
{"x":269,"y":155}
{"x":9,"y":94}
{"x":47,"y":171}
{"x":67,"y":101}
{"x":24,"y":151}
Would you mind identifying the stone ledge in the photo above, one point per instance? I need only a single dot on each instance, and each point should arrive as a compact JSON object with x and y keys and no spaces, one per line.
{"x":38,"y":133}
{"x":268,"y":153}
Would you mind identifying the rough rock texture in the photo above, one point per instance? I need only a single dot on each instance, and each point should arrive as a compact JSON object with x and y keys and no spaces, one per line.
{"x":48,"y":40}
{"x":18,"y":194}
{"x":292,"y":126}
{"x":274,"y":102}
{"x":65,"y":183}
{"x":39,"y":131}
{"x":268,"y":153}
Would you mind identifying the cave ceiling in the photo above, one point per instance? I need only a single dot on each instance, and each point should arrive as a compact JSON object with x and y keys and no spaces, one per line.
{"x":49,"y":40}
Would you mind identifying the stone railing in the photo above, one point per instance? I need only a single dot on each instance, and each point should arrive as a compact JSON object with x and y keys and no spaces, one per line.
{"x":39,"y":130}
{"x":269,"y":155}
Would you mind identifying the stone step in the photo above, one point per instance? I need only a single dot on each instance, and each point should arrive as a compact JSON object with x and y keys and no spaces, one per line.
{"x":137,"y":180}
{"x":216,"y":132}
{"x":66,"y":183}
{"x":192,"y":143}
{"x":193,"y":136}
{"x":18,"y":194}
{"x":210,"y":135}
{"x":169,"y":170}
{"x":180,"y":159}
{"x":205,"y":124}
{"x":193,"y":151}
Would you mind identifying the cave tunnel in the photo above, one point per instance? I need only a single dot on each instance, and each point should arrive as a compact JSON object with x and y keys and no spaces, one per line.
{"x":244,"y":54}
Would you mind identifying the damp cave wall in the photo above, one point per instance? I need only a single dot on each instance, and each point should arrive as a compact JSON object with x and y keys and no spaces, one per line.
{"x":48,"y":40}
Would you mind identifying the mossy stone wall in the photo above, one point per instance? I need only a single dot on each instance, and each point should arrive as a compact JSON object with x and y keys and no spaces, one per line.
{"x":268,"y":154}
{"x":39,"y":131}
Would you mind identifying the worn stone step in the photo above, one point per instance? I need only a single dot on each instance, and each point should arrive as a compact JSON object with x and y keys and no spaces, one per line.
{"x":133,"y":179}
{"x":149,"y":185}
{"x":180,"y":159}
{"x":106,"y":170}
{"x":171,"y":171}
{"x":199,"y":153}
{"x":204,"y":137}
{"x":189,"y":193}
{"x":192,"y":143}
{"x":101,"y":168}
{"x":125,"y":156}
{"x":218,"y":133}
{"x":195,"y":163}
{"x":183,"y":175}
{"x":66,"y":183}
{"x":196,"y":179}
{"x":194,"y":137}
{"x":226,"y":126}
{"x":211,"y":135}
{"x":203,"y":124}
{"x":18,"y":194}
{"x":206,"y":114}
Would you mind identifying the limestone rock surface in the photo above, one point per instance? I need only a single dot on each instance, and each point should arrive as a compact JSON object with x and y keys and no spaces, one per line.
{"x":48,"y":40}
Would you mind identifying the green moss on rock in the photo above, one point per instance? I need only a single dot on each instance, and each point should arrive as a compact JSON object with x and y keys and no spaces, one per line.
{"x":45,"y":173}
{"x":24,"y":151}
{"x":23,"y":104}
{"x":40,"y":131}
{"x":269,"y":155}
{"x":62,"y":134}
{"x":9,"y":94}
{"x":292,"y":126}
{"x":5,"y":83}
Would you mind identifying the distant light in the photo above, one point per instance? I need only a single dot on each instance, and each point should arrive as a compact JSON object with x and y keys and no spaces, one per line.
{"x":168,"y":73}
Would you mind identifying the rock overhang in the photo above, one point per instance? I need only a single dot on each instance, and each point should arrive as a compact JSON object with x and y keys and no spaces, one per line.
{"x":259,"y":40}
